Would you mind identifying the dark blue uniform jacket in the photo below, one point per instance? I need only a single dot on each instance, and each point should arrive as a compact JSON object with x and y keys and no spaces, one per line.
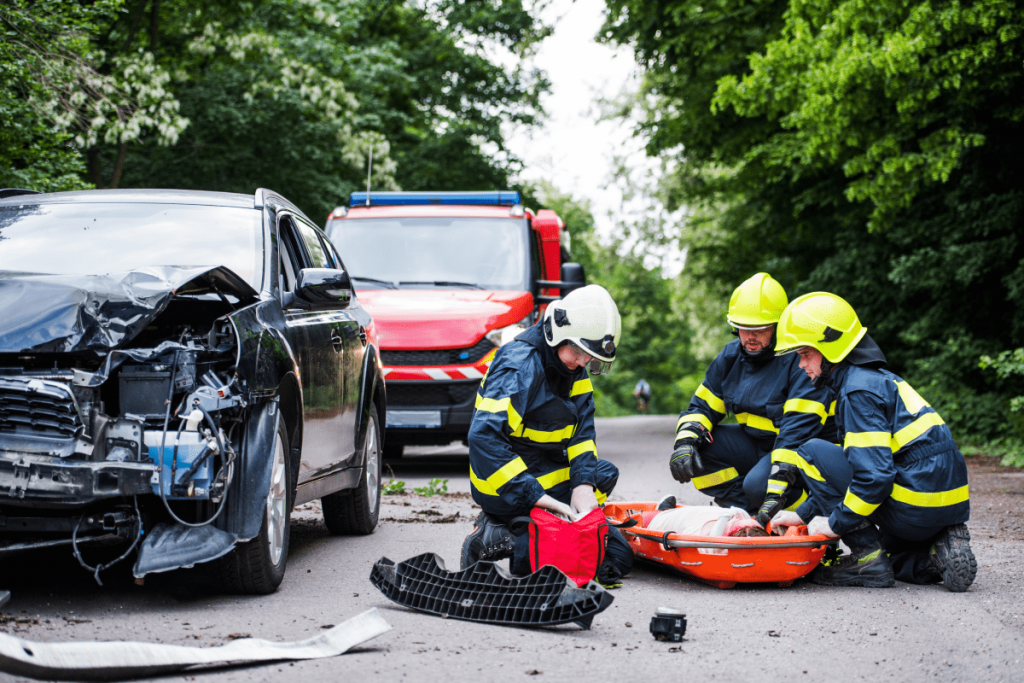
{"x":774,"y":401}
{"x":901,"y":452}
{"x":533,"y":429}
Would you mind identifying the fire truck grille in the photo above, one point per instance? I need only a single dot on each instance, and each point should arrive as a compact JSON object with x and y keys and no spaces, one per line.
{"x":405,"y":394}
{"x":438,"y":356}
{"x":37,"y":407}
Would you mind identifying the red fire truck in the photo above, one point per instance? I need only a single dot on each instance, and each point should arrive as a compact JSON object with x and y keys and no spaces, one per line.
{"x":448,"y":277}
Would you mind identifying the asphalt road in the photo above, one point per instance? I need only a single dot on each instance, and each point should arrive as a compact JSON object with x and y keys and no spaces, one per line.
{"x":754,"y":632}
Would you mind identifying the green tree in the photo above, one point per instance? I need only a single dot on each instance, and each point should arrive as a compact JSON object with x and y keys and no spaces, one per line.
{"x":293,"y":95}
{"x":867,"y":149}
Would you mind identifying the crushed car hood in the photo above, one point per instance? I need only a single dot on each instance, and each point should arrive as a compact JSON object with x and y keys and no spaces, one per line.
{"x":65,"y":313}
{"x":439,"y":318}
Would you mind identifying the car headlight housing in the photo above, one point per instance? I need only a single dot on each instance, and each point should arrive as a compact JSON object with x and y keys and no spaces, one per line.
{"x":503,"y":335}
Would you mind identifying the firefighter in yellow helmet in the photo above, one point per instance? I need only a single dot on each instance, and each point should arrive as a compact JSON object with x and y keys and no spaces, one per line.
{"x":750,"y":465}
{"x":896,"y":489}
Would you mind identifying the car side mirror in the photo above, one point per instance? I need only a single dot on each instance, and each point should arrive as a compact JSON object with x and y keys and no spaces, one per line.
{"x":573,"y":277}
{"x":323,"y":286}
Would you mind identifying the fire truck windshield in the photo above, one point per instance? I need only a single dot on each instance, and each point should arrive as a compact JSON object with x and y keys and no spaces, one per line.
{"x":435,"y":252}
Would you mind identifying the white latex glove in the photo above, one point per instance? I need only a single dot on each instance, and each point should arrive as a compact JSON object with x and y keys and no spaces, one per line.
{"x":787,"y":518}
{"x":583,"y":499}
{"x":819,"y":527}
{"x":561,"y":509}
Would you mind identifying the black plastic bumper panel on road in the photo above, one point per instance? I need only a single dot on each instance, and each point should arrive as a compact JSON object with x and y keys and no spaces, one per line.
{"x":486,"y":593}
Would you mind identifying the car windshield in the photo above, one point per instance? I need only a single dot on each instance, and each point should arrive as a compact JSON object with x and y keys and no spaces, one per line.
{"x":92,"y":238}
{"x":424,"y":253}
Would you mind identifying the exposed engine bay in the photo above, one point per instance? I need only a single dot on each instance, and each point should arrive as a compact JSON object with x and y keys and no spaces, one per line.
{"x":121,"y":406}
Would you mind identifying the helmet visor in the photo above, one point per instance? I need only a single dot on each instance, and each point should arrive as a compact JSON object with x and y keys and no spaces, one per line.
{"x":599,"y":367}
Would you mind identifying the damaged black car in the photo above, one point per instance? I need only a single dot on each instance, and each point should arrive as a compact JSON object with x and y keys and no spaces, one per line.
{"x":178,"y":370}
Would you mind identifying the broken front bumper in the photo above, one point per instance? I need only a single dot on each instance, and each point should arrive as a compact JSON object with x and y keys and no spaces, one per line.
{"x":28,"y":480}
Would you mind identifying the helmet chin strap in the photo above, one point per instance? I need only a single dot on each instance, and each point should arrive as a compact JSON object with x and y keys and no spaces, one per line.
{"x":765,"y":354}
{"x":821,"y":380}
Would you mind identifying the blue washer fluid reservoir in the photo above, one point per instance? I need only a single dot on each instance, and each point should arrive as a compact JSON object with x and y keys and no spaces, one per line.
{"x":190,"y":447}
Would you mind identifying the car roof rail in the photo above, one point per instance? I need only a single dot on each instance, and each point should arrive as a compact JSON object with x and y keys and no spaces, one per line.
{"x":14,"y":192}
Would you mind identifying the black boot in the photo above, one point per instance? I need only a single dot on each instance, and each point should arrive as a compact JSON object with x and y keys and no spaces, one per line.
{"x":782,"y":491}
{"x":867,"y":564}
{"x":491,"y":540}
{"x":951,"y":556}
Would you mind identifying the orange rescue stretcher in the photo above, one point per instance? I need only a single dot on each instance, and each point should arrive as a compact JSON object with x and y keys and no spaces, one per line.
{"x":723,"y":561}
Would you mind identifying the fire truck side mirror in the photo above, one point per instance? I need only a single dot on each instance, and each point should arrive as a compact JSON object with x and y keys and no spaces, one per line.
{"x":573,"y":277}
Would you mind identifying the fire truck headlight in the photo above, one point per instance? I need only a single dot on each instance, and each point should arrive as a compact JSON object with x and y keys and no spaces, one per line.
{"x":503,"y":335}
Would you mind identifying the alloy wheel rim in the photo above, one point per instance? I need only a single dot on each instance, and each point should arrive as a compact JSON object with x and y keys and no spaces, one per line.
{"x":277,"y":500}
{"x":372,"y":468}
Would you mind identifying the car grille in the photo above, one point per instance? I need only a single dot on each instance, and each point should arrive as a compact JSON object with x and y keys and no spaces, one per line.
{"x":438,"y":356}
{"x":36,"y":406}
{"x":405,"y":394}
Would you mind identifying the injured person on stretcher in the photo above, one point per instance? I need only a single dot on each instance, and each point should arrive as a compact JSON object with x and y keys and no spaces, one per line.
{"x":693,"y":520}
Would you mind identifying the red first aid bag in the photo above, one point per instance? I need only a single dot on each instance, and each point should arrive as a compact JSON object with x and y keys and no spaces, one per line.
{"x":575,"y":548}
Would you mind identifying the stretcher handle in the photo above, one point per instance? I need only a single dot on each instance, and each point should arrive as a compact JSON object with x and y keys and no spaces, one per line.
{"x":669,"y":544}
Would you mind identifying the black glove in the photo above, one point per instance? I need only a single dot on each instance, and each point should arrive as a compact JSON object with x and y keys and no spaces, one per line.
{"x":685,"y":463}
{"x":782,"y":491}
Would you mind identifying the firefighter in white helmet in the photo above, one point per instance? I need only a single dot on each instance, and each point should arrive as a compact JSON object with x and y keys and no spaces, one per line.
{"x":532,"y":440}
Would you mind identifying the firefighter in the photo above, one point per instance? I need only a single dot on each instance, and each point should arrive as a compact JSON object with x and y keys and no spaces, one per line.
{"x":751,"y":465}
{"x":896,"y":490}
{"x":532,"y":439}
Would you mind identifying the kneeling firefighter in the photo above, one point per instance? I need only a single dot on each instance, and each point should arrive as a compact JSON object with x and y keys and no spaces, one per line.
{"x":751,"y":465}
{"x":531,"y":441}
{"x":896,"y":490}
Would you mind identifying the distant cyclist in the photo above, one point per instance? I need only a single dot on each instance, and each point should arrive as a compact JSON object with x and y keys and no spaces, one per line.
{"x":642,"y":394}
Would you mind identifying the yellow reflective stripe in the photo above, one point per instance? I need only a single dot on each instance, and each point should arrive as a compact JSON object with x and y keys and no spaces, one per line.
{"x":803,"y":405}
{"x":491,"y":484}
{"x":582,"y":386}
{"x":581,"y":448}
{"x":601,"y":496}
{"x":929,"y":500}
{"x":555,"y":478}
{"x":757,"y":422}
{"x":541,"y":436}
{"x":717,"y":404}
{"x":793,"y":458}
{"x":716,"y":478}
{"x":687,"y":434}
{"x":798,"y":503}
{"x":776,"y":486}
{"x":502,"y":405}
{"x":859,"y":506}
{"x":915,"y":429}
{"x":696,"y":417}
{"x":832,"y":409}
{"x":911,"y":399}
{"x":867,"y":440}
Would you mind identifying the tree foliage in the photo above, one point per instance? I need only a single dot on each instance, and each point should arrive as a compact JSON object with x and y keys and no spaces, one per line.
{"x":864,"y":148}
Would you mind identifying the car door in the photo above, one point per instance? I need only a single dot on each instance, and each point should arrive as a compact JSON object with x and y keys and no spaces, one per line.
{"x":353,"y":326}
{"x":320,"y":350}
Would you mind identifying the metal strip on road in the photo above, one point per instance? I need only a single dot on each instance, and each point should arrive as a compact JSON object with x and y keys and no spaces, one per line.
{"x":102,"y":661}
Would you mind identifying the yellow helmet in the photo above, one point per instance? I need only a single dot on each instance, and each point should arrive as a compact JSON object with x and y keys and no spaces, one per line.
{"x":757,"y":302}
{"x":820,"y":320}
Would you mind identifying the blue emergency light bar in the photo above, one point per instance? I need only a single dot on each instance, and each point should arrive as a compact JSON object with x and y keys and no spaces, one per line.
{"x":496,"y":198}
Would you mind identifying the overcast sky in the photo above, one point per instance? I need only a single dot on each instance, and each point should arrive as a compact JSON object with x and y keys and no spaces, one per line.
{"x":571,"y":149}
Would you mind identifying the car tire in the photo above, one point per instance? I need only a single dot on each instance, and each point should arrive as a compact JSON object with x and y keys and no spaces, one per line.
{"x":256,"y":567}
{"x":393,"y":451}
{"x":356,"y":511}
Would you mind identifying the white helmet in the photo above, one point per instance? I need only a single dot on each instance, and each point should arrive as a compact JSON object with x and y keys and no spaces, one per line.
{"x":588,"y":319}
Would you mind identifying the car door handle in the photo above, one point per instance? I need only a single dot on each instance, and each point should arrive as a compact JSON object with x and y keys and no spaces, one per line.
{"x":336,"y":340}
{"x":362,"y":335}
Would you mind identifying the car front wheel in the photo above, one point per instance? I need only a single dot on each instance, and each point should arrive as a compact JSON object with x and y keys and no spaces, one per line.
{"x":257,"y":567}
{"x":355,"y":511}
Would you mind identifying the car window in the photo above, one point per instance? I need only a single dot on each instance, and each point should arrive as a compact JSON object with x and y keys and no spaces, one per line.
{"x":316,"y":250}
{"x":291,"y":256}
{"x":332,"y":254}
